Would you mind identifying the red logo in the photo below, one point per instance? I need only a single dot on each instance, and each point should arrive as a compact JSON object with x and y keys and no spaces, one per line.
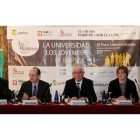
{"x":14,"y":82}
{"x":62,"y":32}
{"x":15,"y":69}
{"x":39,"y":33}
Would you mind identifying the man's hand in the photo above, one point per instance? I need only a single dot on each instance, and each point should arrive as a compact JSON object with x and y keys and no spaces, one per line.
{"x":33,"y":98}
{"x":120,"y":98}
{"x":82,"y":98}
{"x":25,"y":96}
{"x":73,"y":98}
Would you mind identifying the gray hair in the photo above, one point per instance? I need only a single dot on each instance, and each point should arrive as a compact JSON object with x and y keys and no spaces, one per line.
{"x":78,"y":66}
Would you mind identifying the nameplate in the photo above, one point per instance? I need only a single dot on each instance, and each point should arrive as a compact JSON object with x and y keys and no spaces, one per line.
{"x":30,"y":102}
{"x":124,"y":102}
{"x":77,"y":102}
{"x":3,"y":102}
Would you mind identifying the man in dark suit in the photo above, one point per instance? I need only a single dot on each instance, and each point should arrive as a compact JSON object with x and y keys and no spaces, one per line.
{"x":34,"y":89}
{"x":5,"y":93}
{"x":123,"y":88}
{"x":79,"y":88}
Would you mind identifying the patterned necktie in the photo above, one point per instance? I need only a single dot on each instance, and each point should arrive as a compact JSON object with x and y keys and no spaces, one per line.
{"x":34,"y":92}
{"x":78,"y":90}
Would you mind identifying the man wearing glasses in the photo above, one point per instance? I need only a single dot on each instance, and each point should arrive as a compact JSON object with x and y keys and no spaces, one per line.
{"x":79,"y":88}
{"x":34,"y":89}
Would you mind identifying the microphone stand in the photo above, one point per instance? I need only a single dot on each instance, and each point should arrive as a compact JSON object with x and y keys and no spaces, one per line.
{"x":138,"y":88}
{"x":137,"y":85}
{"x":45,"y":103}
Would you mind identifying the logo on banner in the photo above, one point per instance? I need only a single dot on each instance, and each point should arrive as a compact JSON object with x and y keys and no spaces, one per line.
{"x":61,"y":83}
{"x":20,"y":82}
{"x":14,"y":32}
{"x":39,"y":33}
{"x":111,"y":72}
{"x":64,"y":71}
{"x":100,"y":84}
{"x":131,"y":72}
{"x":91,"y":33}
{"x":62,"y":33}
{"x":102,"y":72}
{"x":15,"y":71}
{"x":54,"y":82}
{"x":44,"y":33}
{"x":14,"y":82}
{"x":17,"y":82}
{"x":26,"y":46}
{"x":61,"y":71}
{"x":43,"y":71}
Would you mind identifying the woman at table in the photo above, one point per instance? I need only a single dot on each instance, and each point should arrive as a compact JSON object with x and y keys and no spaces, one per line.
{"x":123,"y":88}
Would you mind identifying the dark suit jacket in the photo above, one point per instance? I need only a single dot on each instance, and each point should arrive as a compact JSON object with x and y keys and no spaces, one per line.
{"x":42,"y":89}
{"x":87,"y":86}
{"x":129,"y":89}
{"x":5,"y":93}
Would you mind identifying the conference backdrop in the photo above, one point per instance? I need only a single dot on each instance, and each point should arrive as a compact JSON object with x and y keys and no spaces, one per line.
{"x":55,"y":49}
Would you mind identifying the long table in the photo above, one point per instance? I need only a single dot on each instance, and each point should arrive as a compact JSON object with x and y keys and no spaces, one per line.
{"x":69,"y":109}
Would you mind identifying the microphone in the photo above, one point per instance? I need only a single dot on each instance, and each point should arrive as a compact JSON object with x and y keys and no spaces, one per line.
{"x":90,"y":101}
{"x":45,"y":103}
{"x":137,"y":85}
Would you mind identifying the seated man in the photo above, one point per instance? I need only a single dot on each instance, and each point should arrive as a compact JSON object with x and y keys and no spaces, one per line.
{"x":79,"y":88}
{"x":123,"y":88}
{"x":5,"y":93}
{"x":34,"y":89}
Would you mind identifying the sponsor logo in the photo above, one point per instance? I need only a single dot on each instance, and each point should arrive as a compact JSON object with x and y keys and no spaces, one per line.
{"x":63,"y":71}
{"x":134,"y":32}
{"x":62,"y":33}
{"x":14,"y":32}
{"x":100,"y":84}
{"x":17,"y":82}
{"x":90,"y":73}
{"x":44,"y":33}
{"x":102,"y":72}
{"x":39,"y":33}
{"x":91,"y":33}
{"x":15,"y":71}
{"x":26,"y":46}
{"x":43,"y":71}
{"x":20,"y":82}
{"x":131,"y":72}
{"x":54,"y":82}
{"x":111,"y":72}
{"x":14,"y":82}
{"x":61,"y":83}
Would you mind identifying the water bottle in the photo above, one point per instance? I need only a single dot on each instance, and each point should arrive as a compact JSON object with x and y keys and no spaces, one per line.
{"x":56,"y":97}
{"x":13,"y":97}
{"x":104,"y":98}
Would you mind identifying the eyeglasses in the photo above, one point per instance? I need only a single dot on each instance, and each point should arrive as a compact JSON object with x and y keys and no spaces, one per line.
{"x":77,"y":73}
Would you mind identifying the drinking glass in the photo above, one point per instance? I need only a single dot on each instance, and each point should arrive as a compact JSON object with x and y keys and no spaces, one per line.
{"x":109,"y":99}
